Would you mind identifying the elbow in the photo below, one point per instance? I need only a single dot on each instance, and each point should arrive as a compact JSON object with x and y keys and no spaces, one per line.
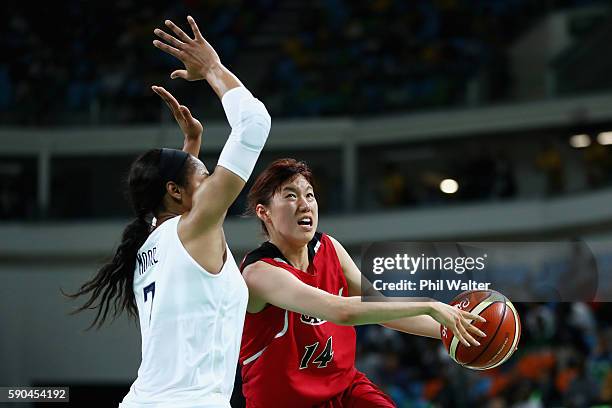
{"x":255,"y":131}
{"x":255,"y":115}
{"x":264,"y":117}
{"x":346,"y":318}
{"x":260,"y":111}
{"x":262,"y":120}
{"x":343,"y":315}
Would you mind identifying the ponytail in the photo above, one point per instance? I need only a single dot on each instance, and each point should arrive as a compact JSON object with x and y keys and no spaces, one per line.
{"x":146,"y":182}
{"x":113,"y":282}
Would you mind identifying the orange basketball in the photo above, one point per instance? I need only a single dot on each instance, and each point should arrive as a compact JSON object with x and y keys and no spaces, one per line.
{"x":503,"y":330}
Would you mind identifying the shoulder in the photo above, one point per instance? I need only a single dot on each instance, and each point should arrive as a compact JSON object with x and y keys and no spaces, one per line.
{"x":262,"y":279}
{"x":265,"y":251}
{"x":255,"y":268}
{"x":190,"y":227}
{"x":333,"y":240}
{"x":334,"y":243}
{"x":265,"y":278}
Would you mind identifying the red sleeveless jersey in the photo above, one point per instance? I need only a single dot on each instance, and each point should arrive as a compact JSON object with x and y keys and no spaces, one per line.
{"x":293,"y":360}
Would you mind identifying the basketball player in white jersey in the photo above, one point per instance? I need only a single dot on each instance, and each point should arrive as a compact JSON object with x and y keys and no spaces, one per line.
{"x":179,"y":275}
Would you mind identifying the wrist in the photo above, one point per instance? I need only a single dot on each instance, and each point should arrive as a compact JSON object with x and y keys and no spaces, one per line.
{"x":192,"y":136}
{"x":211,"y":72}
{"x":221,"y":79}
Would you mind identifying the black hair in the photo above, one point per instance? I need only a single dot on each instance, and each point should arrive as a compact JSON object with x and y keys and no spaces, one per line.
{"x":113,"y":283}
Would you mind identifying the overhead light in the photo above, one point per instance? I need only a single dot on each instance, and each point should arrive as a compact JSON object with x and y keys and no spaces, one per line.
{"x":604,"y":138}
{"x":449,"y":186}
{"x":579,"y":141}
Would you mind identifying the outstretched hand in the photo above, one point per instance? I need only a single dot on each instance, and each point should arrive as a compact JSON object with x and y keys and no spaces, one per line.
{"x":198,"y":56}
{"x":191,"y":127}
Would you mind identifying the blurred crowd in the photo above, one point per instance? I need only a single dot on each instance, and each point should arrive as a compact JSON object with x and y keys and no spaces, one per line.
{"x":387,"y":55}
{"x":75,"y":62}
{"x":564,"y":359}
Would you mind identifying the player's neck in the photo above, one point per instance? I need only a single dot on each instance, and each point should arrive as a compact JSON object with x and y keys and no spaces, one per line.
{"x":297,"y":255}
{"x":164,"y":216}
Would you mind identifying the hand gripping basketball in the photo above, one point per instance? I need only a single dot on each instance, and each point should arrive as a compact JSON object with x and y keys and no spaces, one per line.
{"x":502,"y":326}
{"x":459,"y":322}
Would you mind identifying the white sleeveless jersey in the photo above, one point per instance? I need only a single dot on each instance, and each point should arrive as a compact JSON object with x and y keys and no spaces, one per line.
{"x":191,"y":325}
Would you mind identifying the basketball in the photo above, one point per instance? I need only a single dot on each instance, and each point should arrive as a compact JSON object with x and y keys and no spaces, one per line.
{"x":503,"y":330}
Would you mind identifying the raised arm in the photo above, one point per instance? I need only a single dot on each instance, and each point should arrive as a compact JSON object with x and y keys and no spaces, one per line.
{"x":276,"y":286}
{"x":247,"y":116}
{"x":422,"y":325}
{"x":191,"y":127}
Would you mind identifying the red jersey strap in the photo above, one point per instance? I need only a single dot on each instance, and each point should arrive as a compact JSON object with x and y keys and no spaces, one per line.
{"x":268,"y":250}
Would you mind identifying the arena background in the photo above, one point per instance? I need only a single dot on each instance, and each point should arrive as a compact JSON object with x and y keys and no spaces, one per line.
{"x":384,"y":99}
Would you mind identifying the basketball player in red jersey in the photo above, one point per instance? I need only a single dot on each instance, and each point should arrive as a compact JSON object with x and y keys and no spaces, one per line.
{"x":298,"y":343}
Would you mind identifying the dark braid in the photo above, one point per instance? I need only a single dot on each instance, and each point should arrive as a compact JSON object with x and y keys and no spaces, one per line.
{"x":113,"y":284}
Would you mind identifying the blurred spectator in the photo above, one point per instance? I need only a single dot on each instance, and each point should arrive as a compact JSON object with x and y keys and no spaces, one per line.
{"x":478,"y":175}
{"x":549,"y":161}
{"x":504,"y":183}
{"x":392,"y":187}
{"x":582,"y":391}
{"x":606,"y":389}
{"x":598,"y":165}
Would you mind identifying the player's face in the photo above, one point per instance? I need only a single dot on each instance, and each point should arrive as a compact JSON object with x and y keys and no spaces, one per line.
{"x":294,"y":212}
{"x":199,"y":173}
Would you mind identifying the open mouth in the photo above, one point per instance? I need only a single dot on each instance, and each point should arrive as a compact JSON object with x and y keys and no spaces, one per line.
{"x":305,"y":221}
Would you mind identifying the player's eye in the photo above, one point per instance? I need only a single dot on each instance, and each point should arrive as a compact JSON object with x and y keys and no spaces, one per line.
{"x":290,"y":195}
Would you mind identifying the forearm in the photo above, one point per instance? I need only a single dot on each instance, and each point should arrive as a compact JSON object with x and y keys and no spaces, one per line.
{"x":221,"y":79}
{"x":357,"y":312}
{"x":418,"y":325}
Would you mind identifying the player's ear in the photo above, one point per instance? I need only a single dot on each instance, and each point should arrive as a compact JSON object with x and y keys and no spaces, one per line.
{"x":173,"y":190}
{"x":262,"y":213}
